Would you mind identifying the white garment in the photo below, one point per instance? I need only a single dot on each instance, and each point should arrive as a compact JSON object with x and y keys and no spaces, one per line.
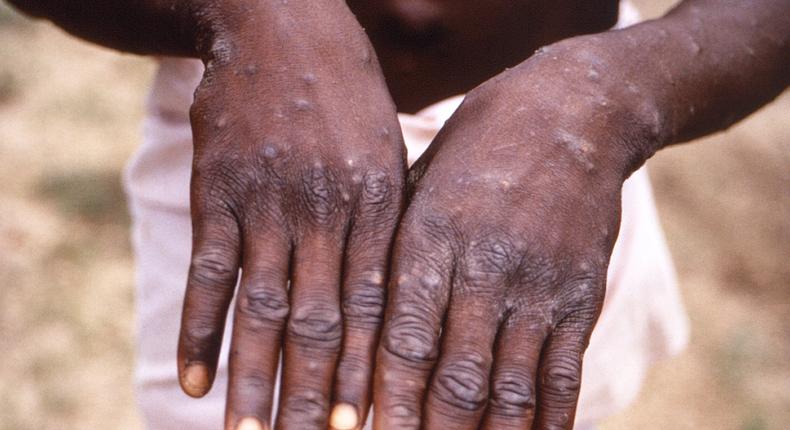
{"x":642,"y":319}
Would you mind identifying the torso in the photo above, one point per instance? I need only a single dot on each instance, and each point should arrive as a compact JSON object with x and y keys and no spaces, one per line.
{"x":433,"y":49}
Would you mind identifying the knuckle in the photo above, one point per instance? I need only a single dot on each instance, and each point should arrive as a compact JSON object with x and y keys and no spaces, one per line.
{"x":488,"y":261}
{"x":320,"y":194}
{"x":262,"y":304}
{"x":490,"y":256}
{"x":307,"y":407}
{"x":463,"y":383}
{"x":364,"y":304}
{"x":236,"y":190}
{"x":412,"y":335}
{"x":377,"y":189}
{"x":513,"y":393}
{"x":561,"y":378}
{"x":214,"y":266}
{"x":413,"y":329}
{"x":316,"y":325}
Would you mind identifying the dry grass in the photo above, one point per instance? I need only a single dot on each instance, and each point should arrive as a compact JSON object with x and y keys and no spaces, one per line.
{"x":69,"y":117}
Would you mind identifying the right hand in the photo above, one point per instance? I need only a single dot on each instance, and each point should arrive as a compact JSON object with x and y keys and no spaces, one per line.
{"x":297,"y":179}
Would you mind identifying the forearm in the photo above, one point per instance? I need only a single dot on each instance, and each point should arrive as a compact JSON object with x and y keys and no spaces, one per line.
{"x":163,"y":27}
{"x":189,"y":28}
{"x":722,"y":62}
{"x":706,"y":65}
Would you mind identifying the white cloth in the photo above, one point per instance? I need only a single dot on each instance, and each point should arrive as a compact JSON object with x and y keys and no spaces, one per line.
{"x":642,"y":320}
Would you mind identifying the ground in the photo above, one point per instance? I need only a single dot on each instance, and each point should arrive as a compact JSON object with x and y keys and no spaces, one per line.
{"x":70,"y":116}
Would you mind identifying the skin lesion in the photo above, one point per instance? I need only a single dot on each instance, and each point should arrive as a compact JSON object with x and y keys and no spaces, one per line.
{"x":377,"y":188}
{"x":581,"y":148}
{"x":413,"y":330}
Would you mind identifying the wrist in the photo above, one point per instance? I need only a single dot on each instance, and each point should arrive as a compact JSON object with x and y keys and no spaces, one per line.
{"x":621,"y":110}
{"x":276,"y":30}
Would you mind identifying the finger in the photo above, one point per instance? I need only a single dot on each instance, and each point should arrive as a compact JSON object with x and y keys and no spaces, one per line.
{"x":363,"y":294}
{"x":313,"y":334}
{"x":417,"y":301}
{"x":561,"y":371}
{"x":210,"y":285}
{"x":516,"y":360}
{"x":259,"y":318}
{"x":459,"y":388}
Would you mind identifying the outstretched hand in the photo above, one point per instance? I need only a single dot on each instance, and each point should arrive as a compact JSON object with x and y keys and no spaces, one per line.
{"x":499,"y":265}
{"x":298,"y":173}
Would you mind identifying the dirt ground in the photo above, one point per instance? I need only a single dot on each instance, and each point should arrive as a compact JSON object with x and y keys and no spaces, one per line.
{"x":69,"y":118}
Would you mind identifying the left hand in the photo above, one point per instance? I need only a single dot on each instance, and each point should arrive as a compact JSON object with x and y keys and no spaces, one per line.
{"x":499,"y":265}
{"x":298,"y":179}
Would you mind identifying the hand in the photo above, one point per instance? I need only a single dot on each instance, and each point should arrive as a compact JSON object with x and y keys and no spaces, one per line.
{"x":499,"y":265}
{"x":297,"y":179}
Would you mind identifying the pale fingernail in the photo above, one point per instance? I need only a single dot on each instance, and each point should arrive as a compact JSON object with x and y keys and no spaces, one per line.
{"x":249,"y":423}
{"x":344,"y":417}
{"x":195,"y":380}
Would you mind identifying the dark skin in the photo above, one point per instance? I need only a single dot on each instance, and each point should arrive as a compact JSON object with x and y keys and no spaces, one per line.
{"x":497,"y":272}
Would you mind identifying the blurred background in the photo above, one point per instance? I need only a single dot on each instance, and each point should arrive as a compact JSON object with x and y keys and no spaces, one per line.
{"x":70,"y":116}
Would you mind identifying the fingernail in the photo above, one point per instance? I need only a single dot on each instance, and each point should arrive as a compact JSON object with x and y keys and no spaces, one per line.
{"x":195,"y":380}
{"x":344,"y":417}
{"x":249,"y":423}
